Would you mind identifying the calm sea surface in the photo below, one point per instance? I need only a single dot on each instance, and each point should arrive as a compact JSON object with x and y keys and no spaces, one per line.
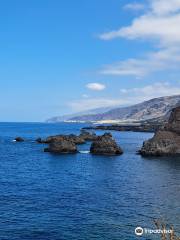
{"x":73,"y":197}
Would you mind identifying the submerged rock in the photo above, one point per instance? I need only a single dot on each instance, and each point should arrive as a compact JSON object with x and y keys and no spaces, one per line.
{"x":166,"y":141}
{"x":39,"y":140}
{"x":105,"y":145}
{"x":19,"y":139}
{"x":64,"y":146}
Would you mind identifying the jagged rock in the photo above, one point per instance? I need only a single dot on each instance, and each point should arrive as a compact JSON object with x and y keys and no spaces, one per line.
{"x":60,"y":138}
{"x":64,"y":146}
{"x":76,"y":139}
{"x":87,"y":136}
{"x":19,"y":139}
{"x":105,"y":145}
{"x":173,"y":124}
{"x":166,"y":141}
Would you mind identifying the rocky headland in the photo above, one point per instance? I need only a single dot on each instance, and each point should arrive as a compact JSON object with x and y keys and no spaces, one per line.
{"x":166,"y":140}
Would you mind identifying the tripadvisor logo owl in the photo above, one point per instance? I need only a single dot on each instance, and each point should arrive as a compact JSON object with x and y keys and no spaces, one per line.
{"x":139,"y":231}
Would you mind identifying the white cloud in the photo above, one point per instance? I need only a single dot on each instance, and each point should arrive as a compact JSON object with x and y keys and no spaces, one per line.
{"x":96,"y":86}
{"x":151,"y":62}
{"x":164,"y":7}
{"x":159,"y":24}
{"x":134,"y":6}
{"x":151,"y":91}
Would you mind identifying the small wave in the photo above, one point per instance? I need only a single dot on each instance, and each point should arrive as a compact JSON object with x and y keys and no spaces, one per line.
{"x":84,"y":152}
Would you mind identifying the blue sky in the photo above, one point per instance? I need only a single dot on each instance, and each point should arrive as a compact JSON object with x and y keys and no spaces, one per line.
{"x":59,"y":57}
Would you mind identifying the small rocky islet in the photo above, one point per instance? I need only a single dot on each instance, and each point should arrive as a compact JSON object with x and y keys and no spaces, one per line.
{"x":105,"y":145}
{"x":19,"y":139}
{"x":101,"y":145}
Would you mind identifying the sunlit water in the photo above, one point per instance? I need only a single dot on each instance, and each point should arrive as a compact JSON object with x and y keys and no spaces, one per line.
{"x":73,"y":197}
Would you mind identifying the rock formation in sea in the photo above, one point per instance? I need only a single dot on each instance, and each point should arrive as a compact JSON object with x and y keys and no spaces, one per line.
{"x":77,"y":139}
{"x":19,"y":139}
{"x":66,"y":143}
{"x":166,"y":140}
{"x":59,"y":138}
{"x":87,"y":136}
{"x":105,"y":145}
{"x":63,"y":146}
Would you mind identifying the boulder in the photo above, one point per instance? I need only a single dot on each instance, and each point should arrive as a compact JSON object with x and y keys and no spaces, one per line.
{"x":19,"y":139}
{"x":166,"y":140}
{"x":105,"y":145}
{"x":64,"y":146}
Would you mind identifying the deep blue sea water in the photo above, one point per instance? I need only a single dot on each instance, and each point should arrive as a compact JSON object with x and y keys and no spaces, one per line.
{"x":82,"y":197}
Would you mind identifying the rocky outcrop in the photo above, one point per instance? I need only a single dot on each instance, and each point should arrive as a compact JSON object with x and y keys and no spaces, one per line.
{"x":82,"y":138}
{"x":59,"y":138}
{"x":19,"y":139}
{"x":166,"y":140}
{"x":64,"y":146}
{"x":87,"y":136}
{"x":105,"y":145}
{"x":137,"y":127}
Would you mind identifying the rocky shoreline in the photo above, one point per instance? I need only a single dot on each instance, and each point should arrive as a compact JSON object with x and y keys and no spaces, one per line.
{"x":165,"y":142}
{"x":126,"y":128}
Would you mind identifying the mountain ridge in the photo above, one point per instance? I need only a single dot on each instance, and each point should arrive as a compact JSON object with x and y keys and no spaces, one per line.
{"x":150,"y":109}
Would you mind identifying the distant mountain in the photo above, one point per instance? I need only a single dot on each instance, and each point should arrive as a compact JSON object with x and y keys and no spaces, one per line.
{"x":71,"y":116}
{"x":151,"y":109}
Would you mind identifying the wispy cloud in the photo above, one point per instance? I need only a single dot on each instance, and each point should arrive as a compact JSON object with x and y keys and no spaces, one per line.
{"x":134,"y":6}
{"x":159,"y":24}
{"x":93,"y":103}
{"x":127,"y":96}
{"x":96,"y":86}
{"x":168,"y":58}
{"x":151,"y":91}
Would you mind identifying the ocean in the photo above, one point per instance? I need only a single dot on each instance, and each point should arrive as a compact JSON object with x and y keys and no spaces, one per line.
{"x":82,"y":197}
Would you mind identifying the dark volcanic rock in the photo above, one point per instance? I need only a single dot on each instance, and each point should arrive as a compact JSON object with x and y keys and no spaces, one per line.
{"x":174,"y":121}
{"x":64,"y":146}
{"x":76,"y":139}
{"x":19,"y":139}
{"x":166,"y":141}
{"x":163,"y":143}
{"x":59,"y":138}
{"x":87,"y":136}
{"x":105,"y":145}
{"x":142,"y":127}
